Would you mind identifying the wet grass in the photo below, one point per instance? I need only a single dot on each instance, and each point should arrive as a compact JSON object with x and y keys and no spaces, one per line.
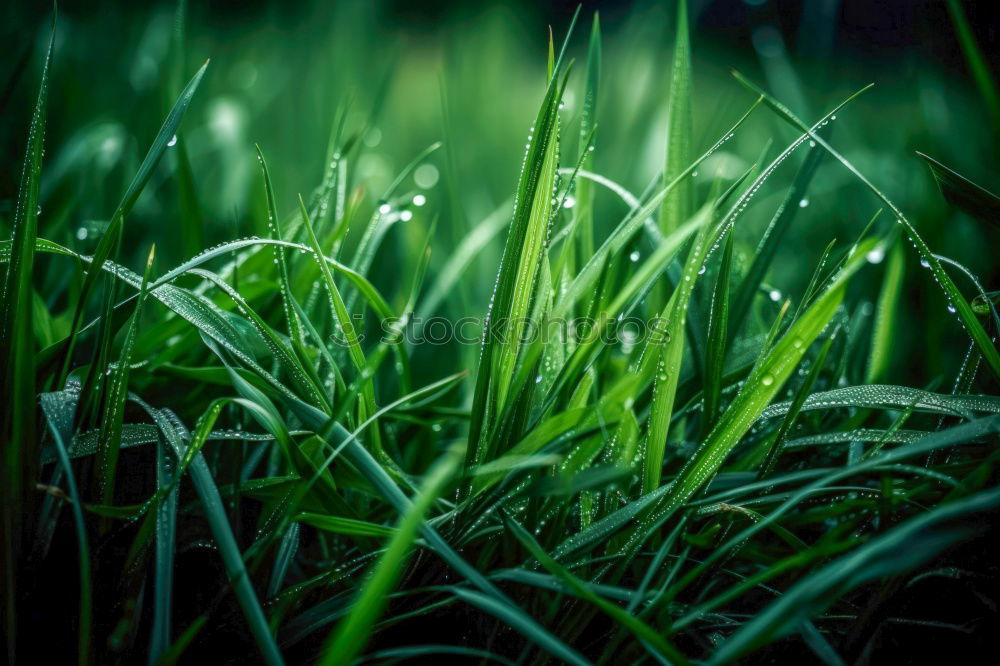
{"x":263,"y":454}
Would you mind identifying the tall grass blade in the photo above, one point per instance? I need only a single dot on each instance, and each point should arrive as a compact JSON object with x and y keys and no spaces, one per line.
{"x":886,"y":316}
{"x":588,"y":123}
{"x":518,"y":272}
{"x":166,"y":537}
{"x":981,"y":71}
{"x":801,"y":395}
{"x":274,"y":227}
{"x":18,"y":442}
{"x":58,"y":408}
{"x":715,"y":350}
{"x":114,"y":402}
{"x":962,"y":193}
{"x":679,"y":206}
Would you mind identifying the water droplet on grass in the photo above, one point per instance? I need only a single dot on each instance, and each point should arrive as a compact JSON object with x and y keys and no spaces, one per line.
{"x":875,"y":255}
{"x":426,"y":176}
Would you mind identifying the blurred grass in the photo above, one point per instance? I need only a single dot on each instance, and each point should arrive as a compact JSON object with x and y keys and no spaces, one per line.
{"x":280,"y":73}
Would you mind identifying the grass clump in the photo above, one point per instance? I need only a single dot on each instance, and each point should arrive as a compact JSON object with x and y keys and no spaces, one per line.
{"x":646,"y":452}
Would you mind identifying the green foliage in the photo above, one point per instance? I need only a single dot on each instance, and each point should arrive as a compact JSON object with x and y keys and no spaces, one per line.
{"x":762,"y":465}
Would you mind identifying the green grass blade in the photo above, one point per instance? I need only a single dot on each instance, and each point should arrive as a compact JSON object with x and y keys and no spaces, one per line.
{"x":58,"y":416}
{"x":283,"y":559}
{"x":517,"y":276}
{"x":793,"y":411}
{"x":166,"y":535}
{"x":770,"y":242}
{"x":679,"y":206}
{"x":884,"y":333}
{"x":981,"y":70}
{"x":338,"y":525}
{"x":667,"y":347}
{"x":880,"y":396}
{"x":17,"y":357}
{"x":962,"y":193}
{"x":274,"y":226}
{"x":114,"y":402}
{"x":345,"y":326}
{"x":192,"y":220}
{"x":715,"y":350}
{"x":588,"y":123}
{"x":352,"y":632}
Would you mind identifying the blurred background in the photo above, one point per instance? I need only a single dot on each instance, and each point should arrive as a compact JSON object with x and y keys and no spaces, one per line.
{"x":472,"y":74}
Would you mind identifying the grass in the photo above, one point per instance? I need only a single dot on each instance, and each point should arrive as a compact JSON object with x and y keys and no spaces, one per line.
{"x":264,"y":453}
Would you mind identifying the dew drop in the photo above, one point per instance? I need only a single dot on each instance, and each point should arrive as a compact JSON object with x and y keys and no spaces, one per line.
{"x":173,"y":141}
{"x":803,"y":203}
{"x":767,"y":380}
{"x":634,"y":256}
{"x":875,"y":255}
